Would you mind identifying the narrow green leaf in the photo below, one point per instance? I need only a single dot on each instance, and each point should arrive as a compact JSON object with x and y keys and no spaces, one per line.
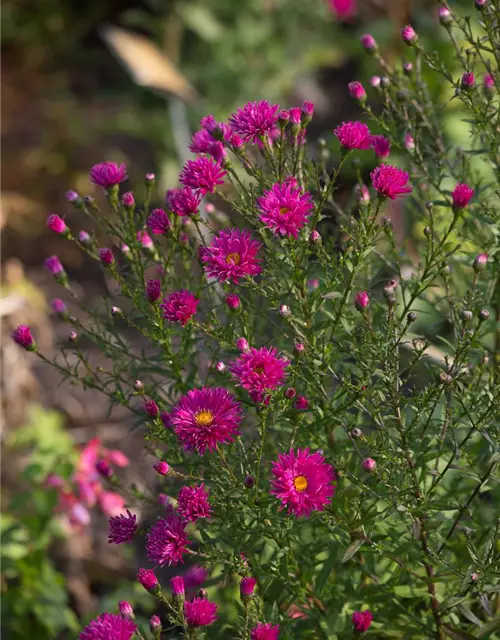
{"x":351,"y":550}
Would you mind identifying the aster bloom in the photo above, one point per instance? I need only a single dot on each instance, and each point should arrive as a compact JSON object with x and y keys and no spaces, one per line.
{"x":106,"y":256}
{"x":242,"y":344}
{"x":389,"y":181}
{"x":368,"y":42}
{"x":357,"y":91}
{"x":57,"y":224}
{"x":122,"y":528}
{"x":184,"y":202}
{"x":265,"y":631}
{"x":147,"y":578}
{"x":303,"y":481}
{"x":205,"y":417}
{"x":361,"y":300}
{"x":204,"y":142}
{"x":153,"y":290}
{"x":382,"y":146}
{"x":301,"y":403}
{"x":284,"y":209}
{"x":461,"y":196}
{"x":54,"y":265}
{"x":255,"y":121}
{"x":247,"y":587}
{"x":22,"y":336}
{"x":180,"y":306}
{"x":204,"y":174}
{"x":108,"y":174}
{"x":232,"y":255}
{"x":200,"y":612}
{"x":409,"y":36}
{"x":353,"y":135}
{"x":260,"y":370}
{"x":361,"y":620}
{"x":108,"y":626}
{"x":193,"y":503}
{"x":166,"y":541}
{"x":158,"y":222}
{"x":467,"y":81}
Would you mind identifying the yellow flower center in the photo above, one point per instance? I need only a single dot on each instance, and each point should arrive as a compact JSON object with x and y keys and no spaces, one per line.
{"x":300,"y":483}
{"x":233,"y":257}
{"x":259,"y":370}
{"x":284,"y":210}
{"x":204,"y":418}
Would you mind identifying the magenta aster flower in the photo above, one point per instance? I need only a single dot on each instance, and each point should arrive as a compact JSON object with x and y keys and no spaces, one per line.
{"x":166,"y":541}
{"x":285,"y":209}
{"x":158,"y":222}
{"x":22,"y":336}
{"x":203,"y":174}
{"x":200,"y":612}
{"x":232,"y":255}
{"x":381,"y":145}
{"x":357,"y":91}
{"x":147,"y":578}
{"x":260,"y":370}
{"x":265,"y":631}
{"x":390,"y":181}
{"x":184,"y":202}
{"x":344,"y":10}
{"x":362,"y":620}
{"x":180,"y":306}
{"x":353,"y":135}
{"x":56,"y":224}
{"x":193,"y":503}
{"x":122,"y":528}
{"x":256,"y":120}
{"x":108,"y":174}
{"x":206,"y":417}
{"x":203,"y":142}
{"x":461,"y":195}
{"x":303,"y":481}
{"x":153,"y":290}
{"x":109,"y":626}
{"x":54,"y":265}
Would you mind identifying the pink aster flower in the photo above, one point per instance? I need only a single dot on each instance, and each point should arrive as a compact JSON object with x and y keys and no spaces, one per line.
{"x":381,"y":145}
{"x":109,"y":626}
{"x":108,"y":174}
{"x":390,"y":181}
{"x":180,"y":306}
{"x":147,"y":578}
{"x":260,"y":370}
{"x":303,"y":481}
{"x":122,"y":528}
{"x":265,"y":631}
{"x":56,"y":224}
{"x":256,"y":120}
{"x":203,"y":174}
{"x":232,"y":255}
{"x":166,"y":541}
{"x":361,"y":620}
{"x":344,"y":10}
{"x":353,"y":135}
{"x":205,"y":417}
{"x":203,"y":142}
{"x":461,"y":196}
{"x":158,"y":222}
{"x":22,"y":336}
{"x":285,"y":209}
{"x":357,"y":91}
{"x":200,"y":612}
{"x":184,"y":202}
{"x":193,"y":503}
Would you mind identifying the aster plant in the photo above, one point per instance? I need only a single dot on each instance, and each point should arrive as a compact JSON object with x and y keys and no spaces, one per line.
{"x":329,"y":452}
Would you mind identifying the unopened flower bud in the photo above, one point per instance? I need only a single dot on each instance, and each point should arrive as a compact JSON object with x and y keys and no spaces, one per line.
{"x":233,"y":301}
{"x":72,"y":336}
{"x":480,"y":262}
{"x":57,"y":225}
{"x":128,"y":200}
{"x":368,"y":43}
{"x":242,"y":345}
{"x":22,"y":336}
{"x":386,"y":223}
{"x":445,"y":378}
{"x":408,"y":68}
{"x":467,"y":315}
{"x":369,"y":464}
{"x":74,"y":198}
{"x":149,"y":179}
{"x":151,"y":408}
{"x":409,"y":36}
{"x":483,"y":315}
{"x":409,"y":142}
{"x":356,"y":433}
{"x":375,"y":81}
{"x":301,"y":403}
{"x":116,"y":311}
{"x":285,"y":311}
{"x":361,"y":301}
{"x":84,"y":238}
{"x":106,"y":256}
{"x":249,"y":482}
{"x":178,"y":589}
{"x":155,"y":625}
{"x":148,"y":580}
{"x":290,"y":393}
{"x":474,"y":576}
{"x":220,"y":367}
{"x":299,"y":347}
{"x":161,"y":467}
{"x":203,"y":593}
{"x":488,"y":83}
{"x":363,"y":194}
{"x":412,"y":316}
{"x":153,"y":290}
{"x":138,"y":386}
{"x":444,"y":16}
{"x":247,"y":587}
{"x":126,"y":611}
{"x":427,"y":232}
{"x":315,"y":237}
{"x":467,"y":81}
{"x":480,"y":4}
{"x":357,"y":91}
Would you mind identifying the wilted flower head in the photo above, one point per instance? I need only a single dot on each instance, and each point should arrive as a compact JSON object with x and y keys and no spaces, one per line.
{"x":205,"y":417}
{"x":357,"y":91}
{"x":203,"y":174}
{"x":361,"y":620}
{"x":461,"y":196}
{"x":353,"y":135}
{"x":200,"y":612}
{"x":158,"y":222}
{"x":166,"y":541}
{"x":108,"y":174}
{"x":122,"y":528}
{"x":285,"y":209}
{"x":265,"y":631}
{"x":232,"y":255}
{"x":184,"y":202}
{"x":390,"y":181}
{"x":180,"y":306}
{"x":193,"y":503}
{"x":109,"y":626}
{"x":22,"y":336}
{"x":303,"y":481}
{"x":260,"y":370}
{"x":255,"y":121}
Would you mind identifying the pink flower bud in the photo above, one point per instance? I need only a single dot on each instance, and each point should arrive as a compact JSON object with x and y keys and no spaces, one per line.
{"x":57,"y":224}
{"x":301,"y":403}
{"x":313,"y":284}
{"x":368,"y":42}
{"x":58,"y":306}
{"x":144,"y":240}
{"x":295,"y":116}
{"x":361,"y":300}
{"x":155,"y":624}
{"x":467,"y":81}
{"x":220,"y":367}
{"x":290,"y":393}
{"x":299,"y":347}
{"x":409,"y":142}
{"x":54,"y":265}
{"x":162,"y":468}
{"x":480,"y":4}
{"x":106,"y":256}
{"x":375,"y":81}
{"x":315,"y":237}
{"x":247,"y":587}
{"x":369,"y":464}
{"x":242,"y":345}
{"x":283,"y":117}
{"x":461,"y":196}
{"x":357,"y":91}
{"x":361,"y":620}
{"x":285,"y":311}
{"x":488,"y":83}
{"x":474,"y":576}
{"x":409,"y":36}
{"x":149,"y":178}
{"x":177,"y":586}
{"x":22,"y":336}
{"x":138,"y":386}
{"x":233,"y":301}
{"x":153,"y":290}
{"x":84,"y":237}
{"x":151,"y":408}
{"x":72,"y":336}
{"x":148,"y":580}
{"x":408,"y":68}
{"x":125,"y":609}
{"x":307,"y":112}
{"x":128,"y":199}
{"x":73,"y":197}
{"x":382,"y":146}
{"x":480,"y":262}
{"x":444,"y":16}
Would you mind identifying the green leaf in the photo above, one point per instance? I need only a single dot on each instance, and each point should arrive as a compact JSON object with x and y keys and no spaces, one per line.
{"x":325,"y":571}
{"x":351,"y":550}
